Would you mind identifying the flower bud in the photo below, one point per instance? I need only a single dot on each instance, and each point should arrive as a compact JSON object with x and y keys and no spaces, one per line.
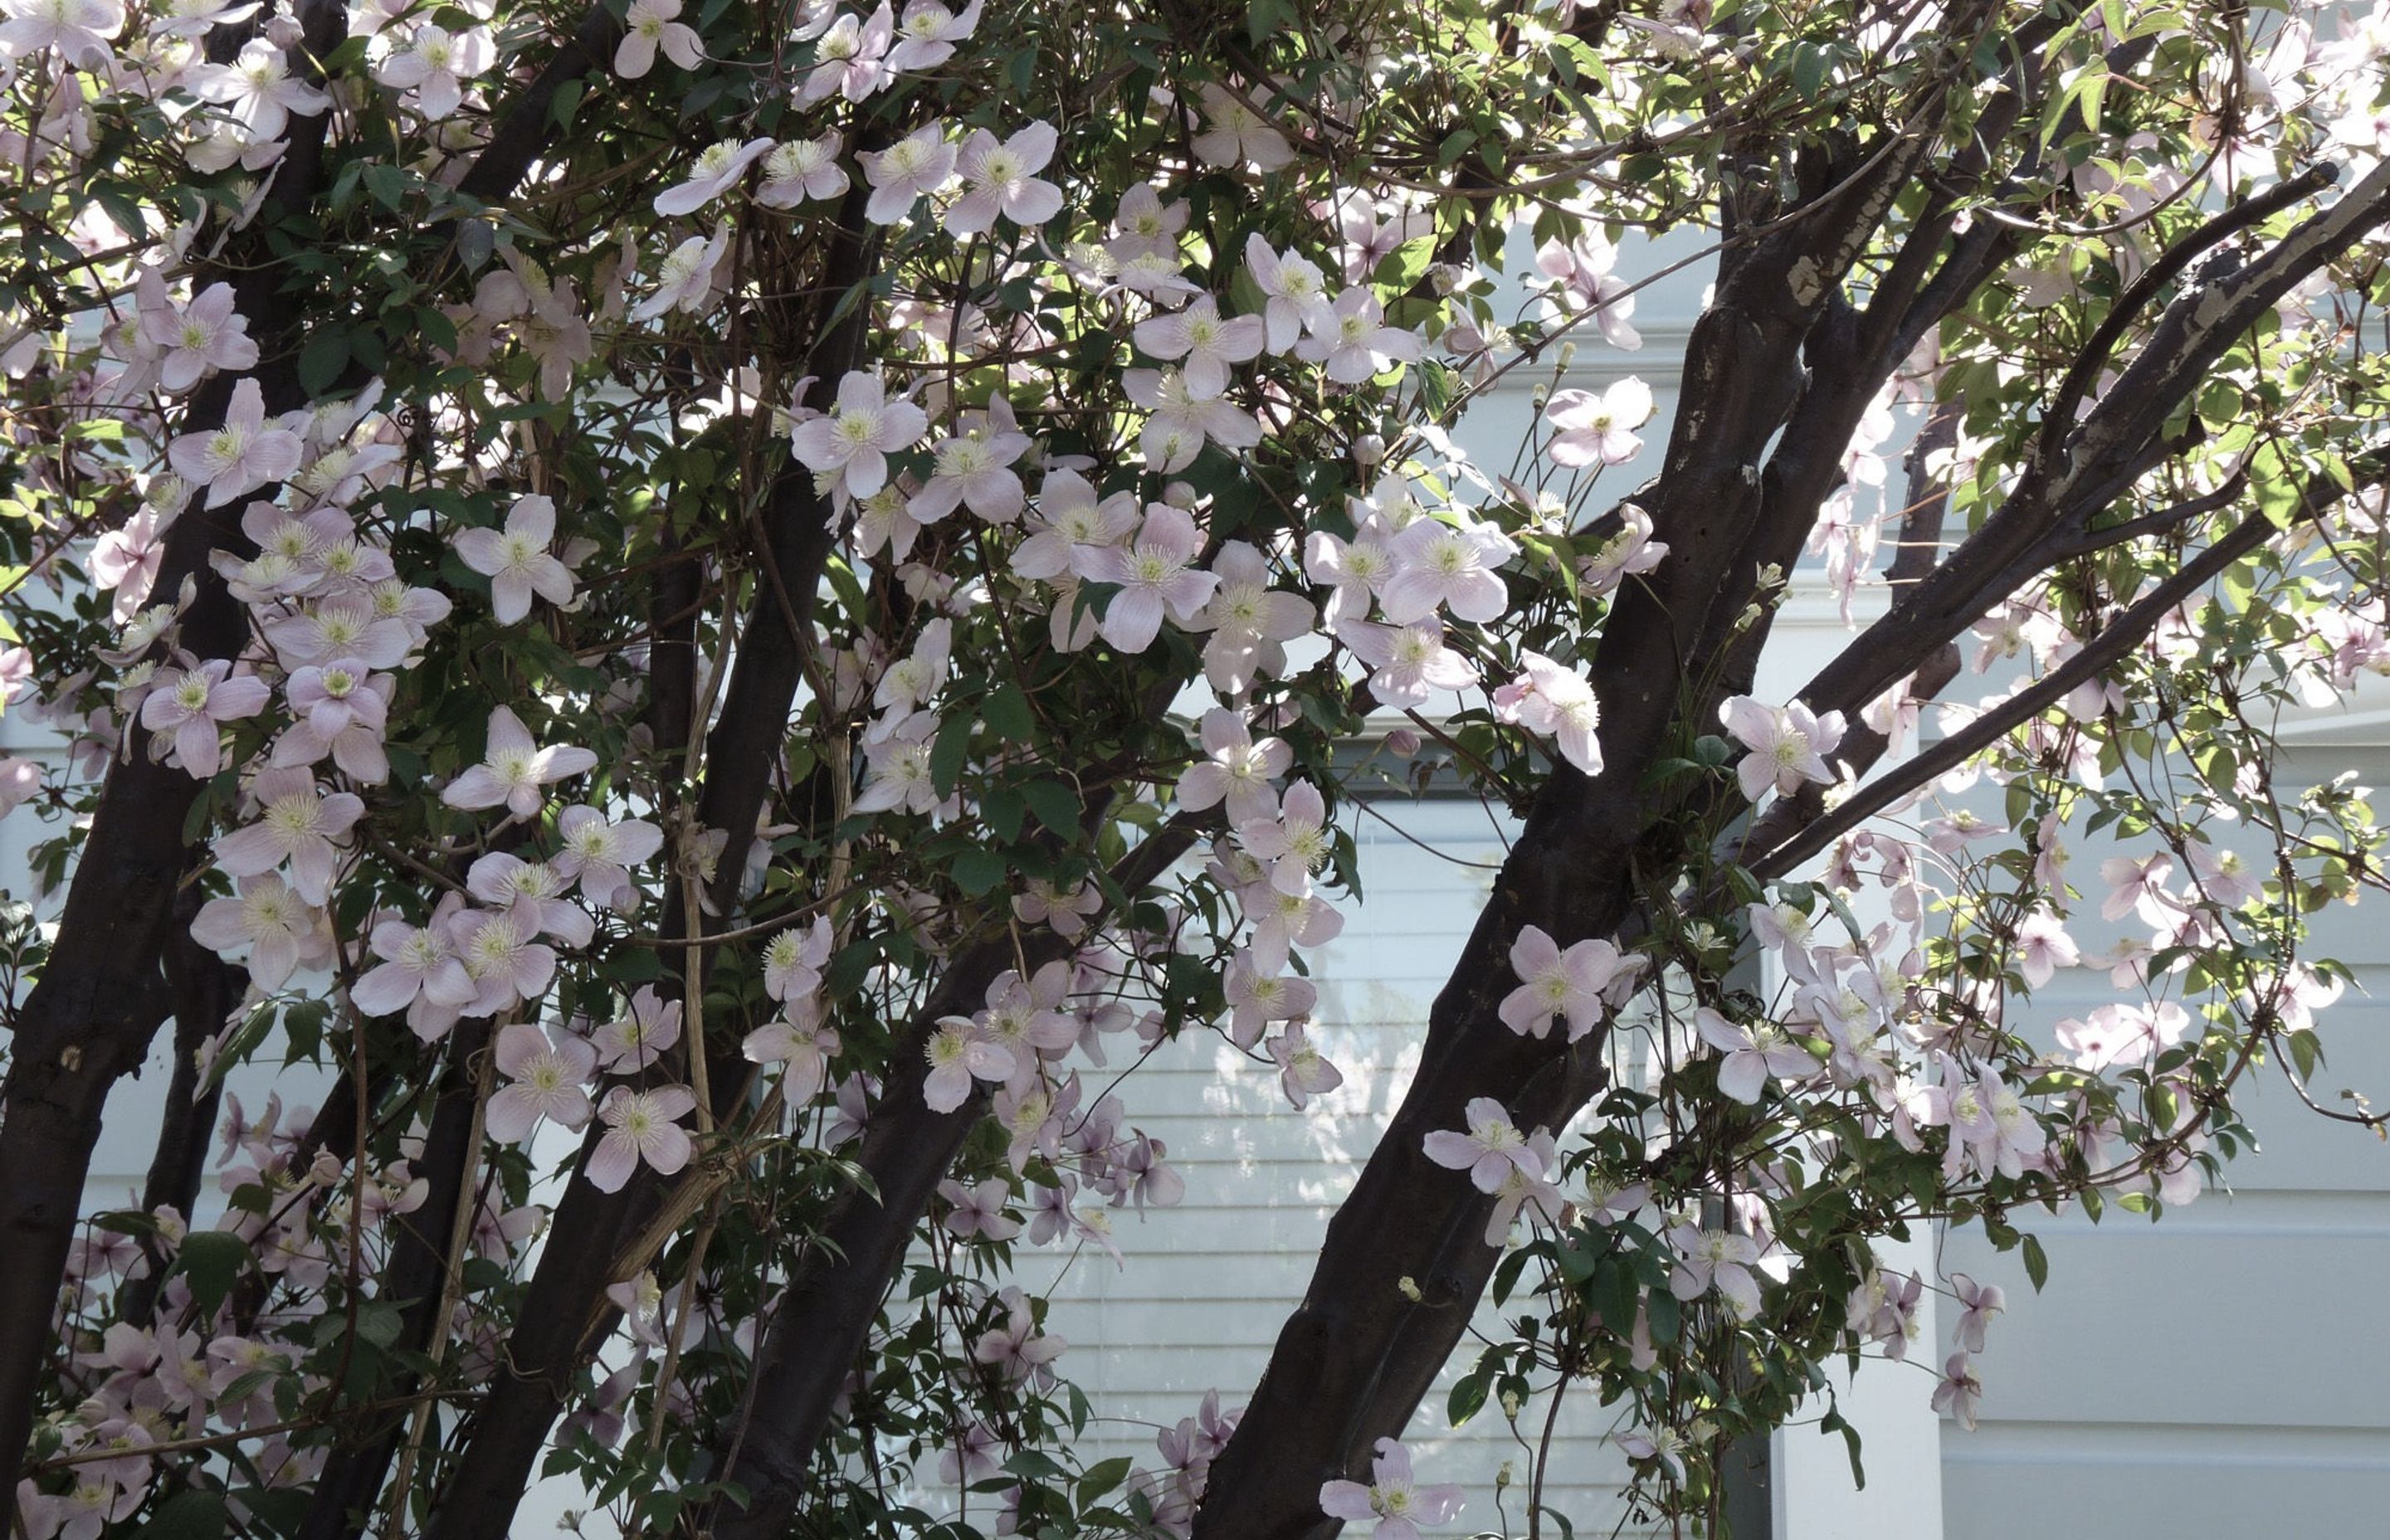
{"x":1369,"y":450}
{"x":1410,"y":1289}
{"x":1403,"y":742}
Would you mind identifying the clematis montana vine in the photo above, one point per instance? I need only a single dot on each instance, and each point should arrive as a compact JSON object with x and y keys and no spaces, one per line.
{"x":747,"y":678}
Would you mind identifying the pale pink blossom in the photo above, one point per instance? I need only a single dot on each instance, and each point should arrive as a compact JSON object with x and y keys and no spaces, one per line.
{"x":598,"y":854}
{"x":1585,"y":270}
{"x":241,"y":455}
{"x":1295,"y":291}
{"x":641,"y":1126}
{"x":79,"y":30}
{"x":1787,"y":745}
{"x":1238,"y":136}
{"x":927,"y":33}
{"x":907,"y":171}
{"x":1394,"y":1499}
{"x":1303,"y":1072}
{"x":685,"y":282}
{"x":1002,"y":177}
{"x":205,"y":335}
{"x":1597,"y":430}
{"x":848,"y":446}
{"x":1489,"y":1151}
{"x":1351,"y":338}
{"x":1754,"y":1054}
{"x":1563,"y":983}
{"x":516,"y":560}
{"x":1237,"y":768}
{"x":631,"y":1043}
{"x":417,"y":962}
{"x":1207,"y":341}
{"x":650,"y":25}
{"x":716,"y":171}
{"x":1715,"y":1258}
{"x":1180,"y":421}
{"x":513,"y":769}
{"x":194,"y":704}
{"x":1156,"y":576}
{"x":338,"y":709}
{"x":297,"y":824}
{"x":434,"y":65}
{"x":281,"y":931}
{"x":1409,"y":662}
{"x":1552,"y":698}
{"x":548,"y":1075}
{"x":1440,"y":566}
{"x":1250,"y":621}
{"x":959,"y":1053}
{"x":801,"y":170}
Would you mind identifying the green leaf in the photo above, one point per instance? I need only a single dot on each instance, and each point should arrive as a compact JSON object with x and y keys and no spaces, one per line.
{"x":2037,"y":1262}
{"x":1006,"y":711}
{"x":1056,"y":807}
{"x":1102,"y":1477}
{"x":212,"y":1260}
{"x":946,"y":756}
{"x":388,"y":184}
{"x":978,"y":872}
{"x":188,"y":1515}
{"x":1469,"y":1396}
{"x":323,"y":358}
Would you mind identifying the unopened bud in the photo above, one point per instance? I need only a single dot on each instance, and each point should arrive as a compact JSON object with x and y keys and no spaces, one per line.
{"x":1568,"y":356}
{"x":1410,"y":1289}
{"x":1510,"y":1404}
{"x":1505,"y":1476}
{"x":1402,"y":742}
{"x":1368,"y":449}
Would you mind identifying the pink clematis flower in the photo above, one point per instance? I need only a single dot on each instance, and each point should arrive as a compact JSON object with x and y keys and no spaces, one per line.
{"x":599,"y":854}
{"x":717,"y":170}
{"x":546,"y":1076}
{"x":1553,"y":982}
{"x":1489,"y":1151}
{"x":1409,"y":663}
{"x":1754,"y":1053}
{"x":959,"y":1053}
{"x":1156,"y":576}
{"x":194,"y":704}
{"x":650,"y":25}
{"x":516,"y":560}
{"x":513,"y":768}
{"x":241,"y":455}
{"x":435,"y":64}
{"x":1208,"y":343}
{"x":418,"y":963}
{"x":801,"y":170}
{"x":640,"y":1126}
{"x":1351,"y":341}
{"x":928,"y":33}
{"x":1598,"y":429}
{"x":907,"y":171}
{"x":1003,"y":179}
{"x":340,"y":709}
{"x":634,"y":1042}
{"x":205,"y":335}
{"x":281,"y":931}
{"x":1788,"y":745}
{"x":1394,"y":1499}
{"x":1440,"y":566}
{"x":1237,"y":768}
{"x":1719,"y":1259}
{"x":297,"y":824}
{"x":848,"y":446}
{"x":1302,"y":1072}
{"x":1551,"y":698}
{"x":1182,"y":420}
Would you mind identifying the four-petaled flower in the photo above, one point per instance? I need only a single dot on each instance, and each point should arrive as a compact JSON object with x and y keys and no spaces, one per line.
{"x":1393,"y":1498}
{"x":516,"y":560}
{"x":640,"y":1126}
